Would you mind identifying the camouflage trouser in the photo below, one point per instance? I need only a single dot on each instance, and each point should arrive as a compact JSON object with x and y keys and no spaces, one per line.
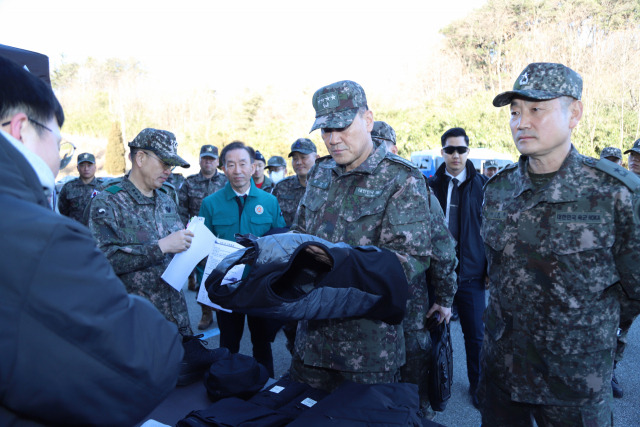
{"x":173,"y":306}
{"x":416,"y":370}
{"x":329,"y":379}
{"x":498,"y":409}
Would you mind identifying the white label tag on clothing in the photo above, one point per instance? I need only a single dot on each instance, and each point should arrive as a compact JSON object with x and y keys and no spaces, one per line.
{"x":276,"y":389}
{"x":308,"y":402}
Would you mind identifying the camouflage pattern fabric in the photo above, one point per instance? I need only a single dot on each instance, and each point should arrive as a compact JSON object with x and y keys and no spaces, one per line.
{"x":195,"y":188}
{"x":554,"y":255}
{"x":383,"y":132}
{"x":289,"y":192}
{"x":304,"y":146}
{"x":611,"y":152}
{"x":162,"y":142}
{"x":383,"y":202}
{"x":635,"y":148}
{"x":543,"y":81}
{"x":441,"y":272}
{"x":176,"y":179}
{"x":336,"y":105}
{"x":74,"y":197}
{"x":127,"y":226}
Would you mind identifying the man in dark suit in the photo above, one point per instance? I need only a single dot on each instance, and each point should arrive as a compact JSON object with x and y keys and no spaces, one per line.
{"x":458,"y":187}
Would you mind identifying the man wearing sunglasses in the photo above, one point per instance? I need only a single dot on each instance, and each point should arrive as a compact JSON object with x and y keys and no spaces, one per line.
{"x":562,"y":236}
{"x":458,"y":187}
{"x":69,"y":329}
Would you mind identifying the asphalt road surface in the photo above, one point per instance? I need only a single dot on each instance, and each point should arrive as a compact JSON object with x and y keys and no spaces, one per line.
{"x":460,"y":412}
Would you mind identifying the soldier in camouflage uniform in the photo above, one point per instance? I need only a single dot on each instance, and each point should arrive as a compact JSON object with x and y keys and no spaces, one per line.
{"x":612,"y":154}
{"x":76,"y":194}
{"x":562,"y":239}
{"x":384,"y":133}
{"x":361,"y":195}
{"x":262,"y":181}
{"x":197,"y":187}
{"x":277,"y":168}
{"x":138,"y":227}
{"x":193,"y":191}
{"x":490,"y":168}
{"x":290,"y":190}
{"x":634,"y":157}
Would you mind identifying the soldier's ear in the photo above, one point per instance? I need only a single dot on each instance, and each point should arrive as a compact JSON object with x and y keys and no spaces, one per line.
{"x":368,"y":119}
{"x":575,"y":111}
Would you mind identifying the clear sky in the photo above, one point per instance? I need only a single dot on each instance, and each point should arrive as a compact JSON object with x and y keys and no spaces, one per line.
{"x":244,"y":43}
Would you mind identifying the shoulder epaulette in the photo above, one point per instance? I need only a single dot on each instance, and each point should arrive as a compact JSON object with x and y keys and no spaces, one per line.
{"x":627,"y":177}
{"x":113,"y":189}
{"x":397,"y":159}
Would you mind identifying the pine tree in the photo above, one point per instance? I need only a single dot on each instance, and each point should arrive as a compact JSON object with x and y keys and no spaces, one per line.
{"x":114,"y":161}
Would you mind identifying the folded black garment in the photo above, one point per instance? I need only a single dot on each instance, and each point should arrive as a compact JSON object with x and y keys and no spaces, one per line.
{"x":289,"y":397}
{"x":353,"y":405}
{"x":287,"y":282}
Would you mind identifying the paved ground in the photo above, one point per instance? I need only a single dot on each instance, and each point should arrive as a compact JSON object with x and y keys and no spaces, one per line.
{"x":460,"y":412}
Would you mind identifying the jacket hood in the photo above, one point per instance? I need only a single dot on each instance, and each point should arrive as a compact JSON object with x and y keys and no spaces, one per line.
{"x":18,"y":177}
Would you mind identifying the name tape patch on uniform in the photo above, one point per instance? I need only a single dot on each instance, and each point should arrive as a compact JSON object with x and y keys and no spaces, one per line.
{"x":583,"y":217}
{"x":497,"y":215}
{"x":366,"y":192}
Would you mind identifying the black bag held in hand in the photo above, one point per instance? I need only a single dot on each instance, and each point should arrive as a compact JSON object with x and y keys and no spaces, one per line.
{"x":441,"y":369}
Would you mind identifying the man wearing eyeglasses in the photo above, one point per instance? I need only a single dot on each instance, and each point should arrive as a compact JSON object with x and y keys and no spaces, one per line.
{"x":69,"y":329}
{"x":458,"y":187}
{"x":75,"y":194}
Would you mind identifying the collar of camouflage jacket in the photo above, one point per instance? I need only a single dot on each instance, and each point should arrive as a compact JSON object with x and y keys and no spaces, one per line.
{"x":561,"y":188}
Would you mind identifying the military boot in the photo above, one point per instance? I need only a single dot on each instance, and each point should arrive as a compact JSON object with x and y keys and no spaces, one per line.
{"x":197,"y":359}
{"x":192,"y":285}
{"x":207,"y":317}
{"x":618,"y":392}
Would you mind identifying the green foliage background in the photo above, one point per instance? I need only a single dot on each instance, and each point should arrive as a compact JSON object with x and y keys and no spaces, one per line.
{"x":481,"y":55}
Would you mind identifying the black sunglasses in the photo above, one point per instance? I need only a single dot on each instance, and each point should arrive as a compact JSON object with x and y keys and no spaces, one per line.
{"x":451,"y":149}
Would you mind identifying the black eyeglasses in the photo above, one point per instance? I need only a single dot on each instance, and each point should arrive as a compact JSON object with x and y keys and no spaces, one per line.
{"x":165,"y":165}
{"x":32,"y":121}
{"x":451,"y":149}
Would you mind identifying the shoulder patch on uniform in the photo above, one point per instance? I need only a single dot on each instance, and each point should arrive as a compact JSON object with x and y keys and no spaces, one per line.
{"x":113,"y":189}
{"x":397,"y":159}
{"x":627,"y":177}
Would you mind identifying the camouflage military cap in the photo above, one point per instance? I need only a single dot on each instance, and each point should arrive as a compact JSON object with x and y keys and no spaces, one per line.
{"x":163,"y":143}
{"x":276,"y":162}
{"x":86,"y":157}
{"x":336,"y":105}
{"x":611,"y":152}
{"x":209,"y":151}
{"x":491,"y":164}
{"x":260,"y":157}
{"x":382,"y":131}
{"x":635,"y":148}
{"x":304,"y":146}
{"x":542,"y":81}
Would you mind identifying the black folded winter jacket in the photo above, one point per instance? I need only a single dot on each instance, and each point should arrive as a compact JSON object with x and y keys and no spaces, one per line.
{"x":287,"y":282}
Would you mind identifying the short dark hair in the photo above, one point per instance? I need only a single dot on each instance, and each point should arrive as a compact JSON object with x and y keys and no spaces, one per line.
{"x":21,"y":91}
{"x":453,"y":133}
{"x":237,"y":145}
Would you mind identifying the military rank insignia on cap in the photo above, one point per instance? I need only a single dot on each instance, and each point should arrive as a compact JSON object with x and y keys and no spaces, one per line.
{"x":611,"y":152}
{"x":304,"y":146}
{"x":336,"y":105}
{"x":542,"y":81}
{"x":86,"y":157}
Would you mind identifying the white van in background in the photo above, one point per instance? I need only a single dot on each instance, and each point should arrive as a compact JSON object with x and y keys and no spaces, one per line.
{"x":428,"y":161}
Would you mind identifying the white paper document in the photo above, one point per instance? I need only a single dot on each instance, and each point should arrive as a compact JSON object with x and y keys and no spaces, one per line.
{"x":183,"y":263}
{"x":221,"y":248}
